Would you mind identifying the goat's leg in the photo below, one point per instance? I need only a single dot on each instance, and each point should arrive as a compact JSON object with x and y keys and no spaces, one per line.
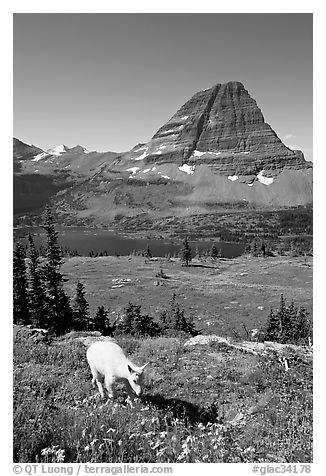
{"x":109,"y":385}
{"x":130,"y":394}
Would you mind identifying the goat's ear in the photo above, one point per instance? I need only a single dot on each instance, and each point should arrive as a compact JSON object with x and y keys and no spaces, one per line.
{"x":130,"y":369}
{"x":144,"y":366}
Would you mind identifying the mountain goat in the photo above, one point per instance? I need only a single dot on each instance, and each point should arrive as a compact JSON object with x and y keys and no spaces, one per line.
{"x":108,"y":362}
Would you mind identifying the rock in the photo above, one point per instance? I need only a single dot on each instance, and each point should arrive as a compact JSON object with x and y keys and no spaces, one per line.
{"x":204,"y":340}
{"x":28,"y":332}
{"x":236,"y":420}
{"x":290,"y":352}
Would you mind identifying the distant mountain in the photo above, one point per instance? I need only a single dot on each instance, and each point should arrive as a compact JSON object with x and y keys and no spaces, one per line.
{"x":39,"y":175}
{"x":62,"y":159}
{"x":216,"y":149}
{"x":22,"y":152}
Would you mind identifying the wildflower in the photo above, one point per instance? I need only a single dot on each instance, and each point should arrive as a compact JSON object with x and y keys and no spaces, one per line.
{"x":163,"y":434}
{"x":161,"y":451}
{"x":87,"y":448}
{"x":250,"y":449}
{"x":119,"y":442}
{"x":60,"y":456}
{"x":155,"y":446}
{"x":185,"y":450}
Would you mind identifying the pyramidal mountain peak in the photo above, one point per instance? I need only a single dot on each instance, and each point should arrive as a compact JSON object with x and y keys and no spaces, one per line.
{"x":223,"y":126}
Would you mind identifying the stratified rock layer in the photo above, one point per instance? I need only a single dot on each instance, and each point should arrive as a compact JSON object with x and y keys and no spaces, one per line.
{"x":223,"y":127}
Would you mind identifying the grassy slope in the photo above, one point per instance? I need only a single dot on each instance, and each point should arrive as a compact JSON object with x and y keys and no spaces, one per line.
{"x":205,"y":403}
{"x":220,"y":297}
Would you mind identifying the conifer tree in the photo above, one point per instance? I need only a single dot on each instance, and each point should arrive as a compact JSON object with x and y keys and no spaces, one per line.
{"x":37,"y":293}
{"x":274,"y":329}
{"x":186,"y":253}
{"x":214,"y":253}
{"x":80,"y":309}
{"x":21,"y":310}
{"x":173,"y":318}
{"x":290,"y":324}
{"x":60,"y":312}
{"x":148,"y":253}
{"x":254,"y":247}
{"x":304,"y":326}
{"x":125,"y":324}
{"x":101,"y":322}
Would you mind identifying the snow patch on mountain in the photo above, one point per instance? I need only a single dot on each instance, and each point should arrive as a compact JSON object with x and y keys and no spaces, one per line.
{"x":39,"y":156}
{"x":198,"y":153}
{"x":233,"y":177}
{"x":189,"y":169}
{"x":263,"y":179}
{"x":142,"y":156}
{"x":133,"y":170}
{"x":58,"y":150}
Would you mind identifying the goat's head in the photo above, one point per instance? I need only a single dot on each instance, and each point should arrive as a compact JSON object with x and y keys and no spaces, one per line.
{"x":135,"y":378}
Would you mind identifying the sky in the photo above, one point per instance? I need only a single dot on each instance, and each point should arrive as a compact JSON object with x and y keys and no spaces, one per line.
{"x":110,"y":81}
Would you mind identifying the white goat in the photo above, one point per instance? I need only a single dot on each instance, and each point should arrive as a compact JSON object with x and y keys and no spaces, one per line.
{"x":108,"y":362}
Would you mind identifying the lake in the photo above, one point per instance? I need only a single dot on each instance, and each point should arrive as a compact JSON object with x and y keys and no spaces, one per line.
{"x":84,"y":240}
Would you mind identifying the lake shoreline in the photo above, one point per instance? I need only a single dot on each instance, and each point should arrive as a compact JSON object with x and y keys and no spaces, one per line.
{"x":88,"y":241}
